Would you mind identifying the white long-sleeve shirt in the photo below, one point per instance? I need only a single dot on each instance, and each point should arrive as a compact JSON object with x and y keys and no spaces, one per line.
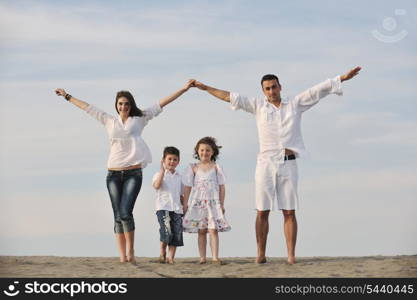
{"x":280,"y":128}
{"x":127,"y":148}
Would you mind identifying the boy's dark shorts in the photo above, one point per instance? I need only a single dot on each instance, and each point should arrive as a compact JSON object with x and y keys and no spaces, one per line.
{"x":170,"y":227}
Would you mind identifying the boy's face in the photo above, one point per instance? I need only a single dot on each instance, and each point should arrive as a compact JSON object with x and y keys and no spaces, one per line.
{"x":171,"y":161}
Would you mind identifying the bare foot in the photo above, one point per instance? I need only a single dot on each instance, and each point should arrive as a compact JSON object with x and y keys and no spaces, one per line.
{"x":217,"y":262}
{"x":131,"y":258}
{"x":162,"y":258}
{"x":260,"y":260}
{"x":170,"y":261}
{"x":202,"y":261}
{"x":123,"y":259}
{"x":291,"y":260}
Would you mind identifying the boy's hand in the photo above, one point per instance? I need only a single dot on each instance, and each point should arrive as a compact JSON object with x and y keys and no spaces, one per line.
{"x":162,"y":166}
{"x":222,"y":207}
{"x":185,"y":208}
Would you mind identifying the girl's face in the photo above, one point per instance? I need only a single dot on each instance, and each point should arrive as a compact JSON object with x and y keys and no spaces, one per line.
{"x":205,"y":152}
{"x":123,"y":106}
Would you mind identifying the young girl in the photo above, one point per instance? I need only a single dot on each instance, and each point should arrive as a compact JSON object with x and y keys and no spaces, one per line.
{"x":205,"y":192}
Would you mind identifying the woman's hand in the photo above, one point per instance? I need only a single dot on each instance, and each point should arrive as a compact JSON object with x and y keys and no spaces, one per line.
{"x":189,"y":84}
{"x":60,"y":92}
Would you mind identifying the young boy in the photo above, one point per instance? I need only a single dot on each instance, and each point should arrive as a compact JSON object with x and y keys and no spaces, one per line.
{"x":169,"y":204}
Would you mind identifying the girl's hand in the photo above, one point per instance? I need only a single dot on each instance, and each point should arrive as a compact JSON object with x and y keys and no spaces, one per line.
{"x":185,"y":208}
{"x":60,"y":92}
{"x":222,"y":207}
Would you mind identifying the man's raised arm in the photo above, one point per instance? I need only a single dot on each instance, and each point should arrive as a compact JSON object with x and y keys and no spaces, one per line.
{"x":222,"y":95}
{"x":352,"y":73}
{"x":311,"y":96}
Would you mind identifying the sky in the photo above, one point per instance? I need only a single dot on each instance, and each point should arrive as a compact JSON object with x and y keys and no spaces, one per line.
{"x":357,"y":186}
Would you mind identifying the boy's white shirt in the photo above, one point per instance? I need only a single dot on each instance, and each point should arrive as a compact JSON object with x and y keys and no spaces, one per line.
{"x":168,"y":196}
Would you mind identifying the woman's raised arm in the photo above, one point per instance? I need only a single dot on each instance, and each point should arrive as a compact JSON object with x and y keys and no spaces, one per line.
{"x":77,"y":102}
{"x":174,"y":96}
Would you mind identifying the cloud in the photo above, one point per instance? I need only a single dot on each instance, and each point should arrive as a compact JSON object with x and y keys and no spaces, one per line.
{"x":367,"y":182}
{"x":146,"y":29}
{"x":95,"y":33}
{"x":379,"y":128}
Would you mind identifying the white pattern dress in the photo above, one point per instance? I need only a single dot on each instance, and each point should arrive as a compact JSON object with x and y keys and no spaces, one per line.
{"x":204,"y":210}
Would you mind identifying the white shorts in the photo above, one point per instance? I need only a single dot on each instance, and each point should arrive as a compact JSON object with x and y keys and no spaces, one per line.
{"x":276,"y":185}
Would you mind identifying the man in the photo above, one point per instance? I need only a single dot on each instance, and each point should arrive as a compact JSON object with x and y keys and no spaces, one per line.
{"x":279,"y":130}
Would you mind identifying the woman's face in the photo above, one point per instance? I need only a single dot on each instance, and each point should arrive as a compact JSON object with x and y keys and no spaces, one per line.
{"x":123,"y":106}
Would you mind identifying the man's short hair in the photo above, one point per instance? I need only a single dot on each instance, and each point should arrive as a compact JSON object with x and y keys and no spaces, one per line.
{"x":269,"y":77}
{"x":171,"y":150}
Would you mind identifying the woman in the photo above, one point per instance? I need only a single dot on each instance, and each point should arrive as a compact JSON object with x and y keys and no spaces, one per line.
{"x":129,"y":154}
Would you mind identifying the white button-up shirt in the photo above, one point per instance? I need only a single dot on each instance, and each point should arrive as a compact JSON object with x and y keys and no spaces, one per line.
{"x":168,"y":196}
{"x":127,"y":148}
{"x":280,"y":128}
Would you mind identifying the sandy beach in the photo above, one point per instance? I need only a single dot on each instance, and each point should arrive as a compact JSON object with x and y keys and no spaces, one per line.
{"x":234,"y":267}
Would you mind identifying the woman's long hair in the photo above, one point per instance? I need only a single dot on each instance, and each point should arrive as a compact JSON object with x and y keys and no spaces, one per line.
{"x":134,"y":110}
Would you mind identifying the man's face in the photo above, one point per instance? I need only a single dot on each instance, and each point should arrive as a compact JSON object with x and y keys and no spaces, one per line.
{"x":272,"y":90}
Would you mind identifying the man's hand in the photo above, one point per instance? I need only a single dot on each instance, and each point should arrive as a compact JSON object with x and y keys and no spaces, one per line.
{"x":222,"y":95}
{"x":352,"y":73}
{"x":200,"y":85}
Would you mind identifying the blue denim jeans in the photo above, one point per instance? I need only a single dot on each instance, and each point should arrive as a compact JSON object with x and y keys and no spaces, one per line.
{"x":170,"y":227}
{"x":124,"y":187}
